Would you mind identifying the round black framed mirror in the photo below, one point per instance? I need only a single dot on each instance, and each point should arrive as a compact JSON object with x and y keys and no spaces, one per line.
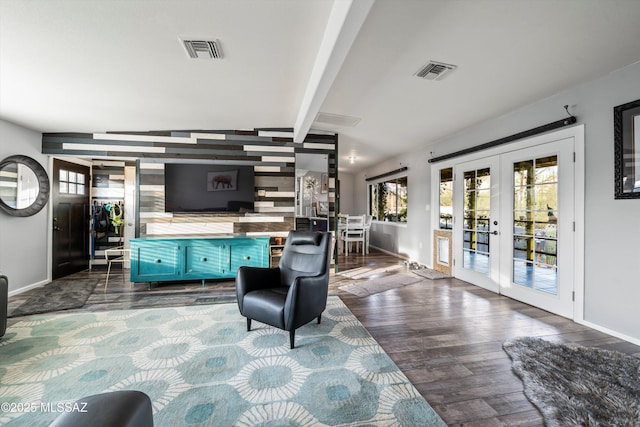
{"x":24,"y":186}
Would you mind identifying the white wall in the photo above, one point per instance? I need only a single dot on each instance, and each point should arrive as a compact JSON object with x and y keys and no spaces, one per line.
{"x":23,"y":241}
{"x":347,"y":205}
{"x":612,"y":227}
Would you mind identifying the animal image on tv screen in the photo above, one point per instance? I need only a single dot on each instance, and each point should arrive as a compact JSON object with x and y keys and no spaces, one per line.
{"x":222,"y":181}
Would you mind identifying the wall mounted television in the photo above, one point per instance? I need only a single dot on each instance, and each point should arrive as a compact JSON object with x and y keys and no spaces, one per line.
{"x":192,"y":187}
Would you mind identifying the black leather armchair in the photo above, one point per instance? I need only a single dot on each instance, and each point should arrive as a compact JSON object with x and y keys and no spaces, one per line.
{"x":295,"y":292}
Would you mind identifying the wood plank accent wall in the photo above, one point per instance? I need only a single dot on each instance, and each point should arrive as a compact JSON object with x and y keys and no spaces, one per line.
{"x":270,"y":151}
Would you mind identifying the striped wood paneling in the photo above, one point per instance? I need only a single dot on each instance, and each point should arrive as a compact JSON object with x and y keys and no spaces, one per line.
{"x":271,"y":152}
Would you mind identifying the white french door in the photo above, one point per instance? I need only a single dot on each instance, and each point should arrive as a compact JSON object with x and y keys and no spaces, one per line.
{"x":539,"y":211}
{"x":514,"y":224}
{"x":477,"y":209}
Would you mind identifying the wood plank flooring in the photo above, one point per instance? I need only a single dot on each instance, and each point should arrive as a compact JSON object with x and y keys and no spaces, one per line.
{"x":445,"y":335}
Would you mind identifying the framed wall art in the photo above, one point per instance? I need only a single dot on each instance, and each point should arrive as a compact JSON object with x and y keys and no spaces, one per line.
{"x":626,"y":126}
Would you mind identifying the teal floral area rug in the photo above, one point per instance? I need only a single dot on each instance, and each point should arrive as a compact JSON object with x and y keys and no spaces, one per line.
{"x":200,"y":367}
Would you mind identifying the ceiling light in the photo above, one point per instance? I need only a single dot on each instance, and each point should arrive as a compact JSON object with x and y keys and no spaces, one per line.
{"x":352,"y":159}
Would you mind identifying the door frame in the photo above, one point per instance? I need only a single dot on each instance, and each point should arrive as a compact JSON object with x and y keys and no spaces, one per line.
{"x":575,"y":132}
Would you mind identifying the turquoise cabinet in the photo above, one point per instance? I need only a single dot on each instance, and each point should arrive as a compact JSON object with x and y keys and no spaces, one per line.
{"x":167,"y":259}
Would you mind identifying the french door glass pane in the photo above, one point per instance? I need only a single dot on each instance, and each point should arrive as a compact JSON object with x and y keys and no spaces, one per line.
{"x":477,"y":216}
{"x":535,"y":218}
{"x":446,"y":198}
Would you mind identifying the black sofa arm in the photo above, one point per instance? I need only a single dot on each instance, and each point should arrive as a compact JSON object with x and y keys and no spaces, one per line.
{"x":4,"y":299}
{"x":123,"y":408}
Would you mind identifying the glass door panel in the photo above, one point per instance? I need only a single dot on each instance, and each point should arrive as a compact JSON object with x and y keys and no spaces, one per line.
{"x":535,"y":201}
{"x":477,"y":207}
{"x":477,"y":215}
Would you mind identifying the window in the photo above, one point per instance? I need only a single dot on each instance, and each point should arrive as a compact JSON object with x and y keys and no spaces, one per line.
{"x":71,"y":182}
{"x":388,"y":200}
{"x":446,"y":199}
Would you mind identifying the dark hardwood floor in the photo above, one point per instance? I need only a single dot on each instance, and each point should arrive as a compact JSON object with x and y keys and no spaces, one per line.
{"x":445,"y":335}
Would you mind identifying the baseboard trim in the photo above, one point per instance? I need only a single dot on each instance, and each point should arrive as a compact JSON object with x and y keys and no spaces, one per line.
{"x":609,"y":332}
{"x":389,"y":252}
{"x":28,"y":287}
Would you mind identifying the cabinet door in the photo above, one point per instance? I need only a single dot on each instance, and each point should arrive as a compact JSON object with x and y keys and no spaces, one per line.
{"x":155,"y":261}
{"x":206,"y":260}
{"x":253,"y":253}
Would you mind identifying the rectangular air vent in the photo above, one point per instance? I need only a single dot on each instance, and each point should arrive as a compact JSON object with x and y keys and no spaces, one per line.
{"x":203,"y":49}
{"x":435,"y":70}
{"x":337,"y":119}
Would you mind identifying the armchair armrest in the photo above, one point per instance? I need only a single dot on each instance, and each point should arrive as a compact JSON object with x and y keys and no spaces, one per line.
{"x":253,"y":278}
{"x":306,"y":299}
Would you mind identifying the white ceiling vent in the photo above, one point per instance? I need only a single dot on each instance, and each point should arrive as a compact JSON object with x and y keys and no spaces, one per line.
{"x":203,"y":49}
{"x":337,"y":119}
{"x":435,"y":70}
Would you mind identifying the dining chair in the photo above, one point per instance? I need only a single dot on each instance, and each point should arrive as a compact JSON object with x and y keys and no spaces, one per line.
{"x":118,"y":254}
{"x":342,"y":225}
{"x":368,"y":219}
{"x":354,"y":232}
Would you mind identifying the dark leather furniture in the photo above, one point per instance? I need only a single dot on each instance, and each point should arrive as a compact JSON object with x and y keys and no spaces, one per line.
{"x":4,"y":297}
{"x":124,"y":408}
{"x":295,"y":292}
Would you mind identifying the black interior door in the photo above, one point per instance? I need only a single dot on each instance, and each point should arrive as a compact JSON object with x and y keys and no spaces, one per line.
{"x":70,"y":197}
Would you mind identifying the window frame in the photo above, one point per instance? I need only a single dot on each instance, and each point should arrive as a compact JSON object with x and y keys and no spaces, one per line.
{"x":372,"y":192}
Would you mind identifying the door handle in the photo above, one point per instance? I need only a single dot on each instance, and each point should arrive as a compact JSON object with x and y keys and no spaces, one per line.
{"x":494,"y":232}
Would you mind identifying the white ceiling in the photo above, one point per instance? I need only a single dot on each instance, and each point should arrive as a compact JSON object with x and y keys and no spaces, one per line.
{"x":97,"y":65}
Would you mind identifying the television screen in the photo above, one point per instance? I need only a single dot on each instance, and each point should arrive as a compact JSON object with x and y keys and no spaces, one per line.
{"x":208,"y":188}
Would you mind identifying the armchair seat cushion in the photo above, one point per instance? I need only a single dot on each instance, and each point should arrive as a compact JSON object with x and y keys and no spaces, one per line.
{"x":267,"y":305}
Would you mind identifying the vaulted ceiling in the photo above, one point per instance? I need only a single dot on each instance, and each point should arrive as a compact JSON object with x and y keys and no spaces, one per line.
{"x":97,"y":65}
